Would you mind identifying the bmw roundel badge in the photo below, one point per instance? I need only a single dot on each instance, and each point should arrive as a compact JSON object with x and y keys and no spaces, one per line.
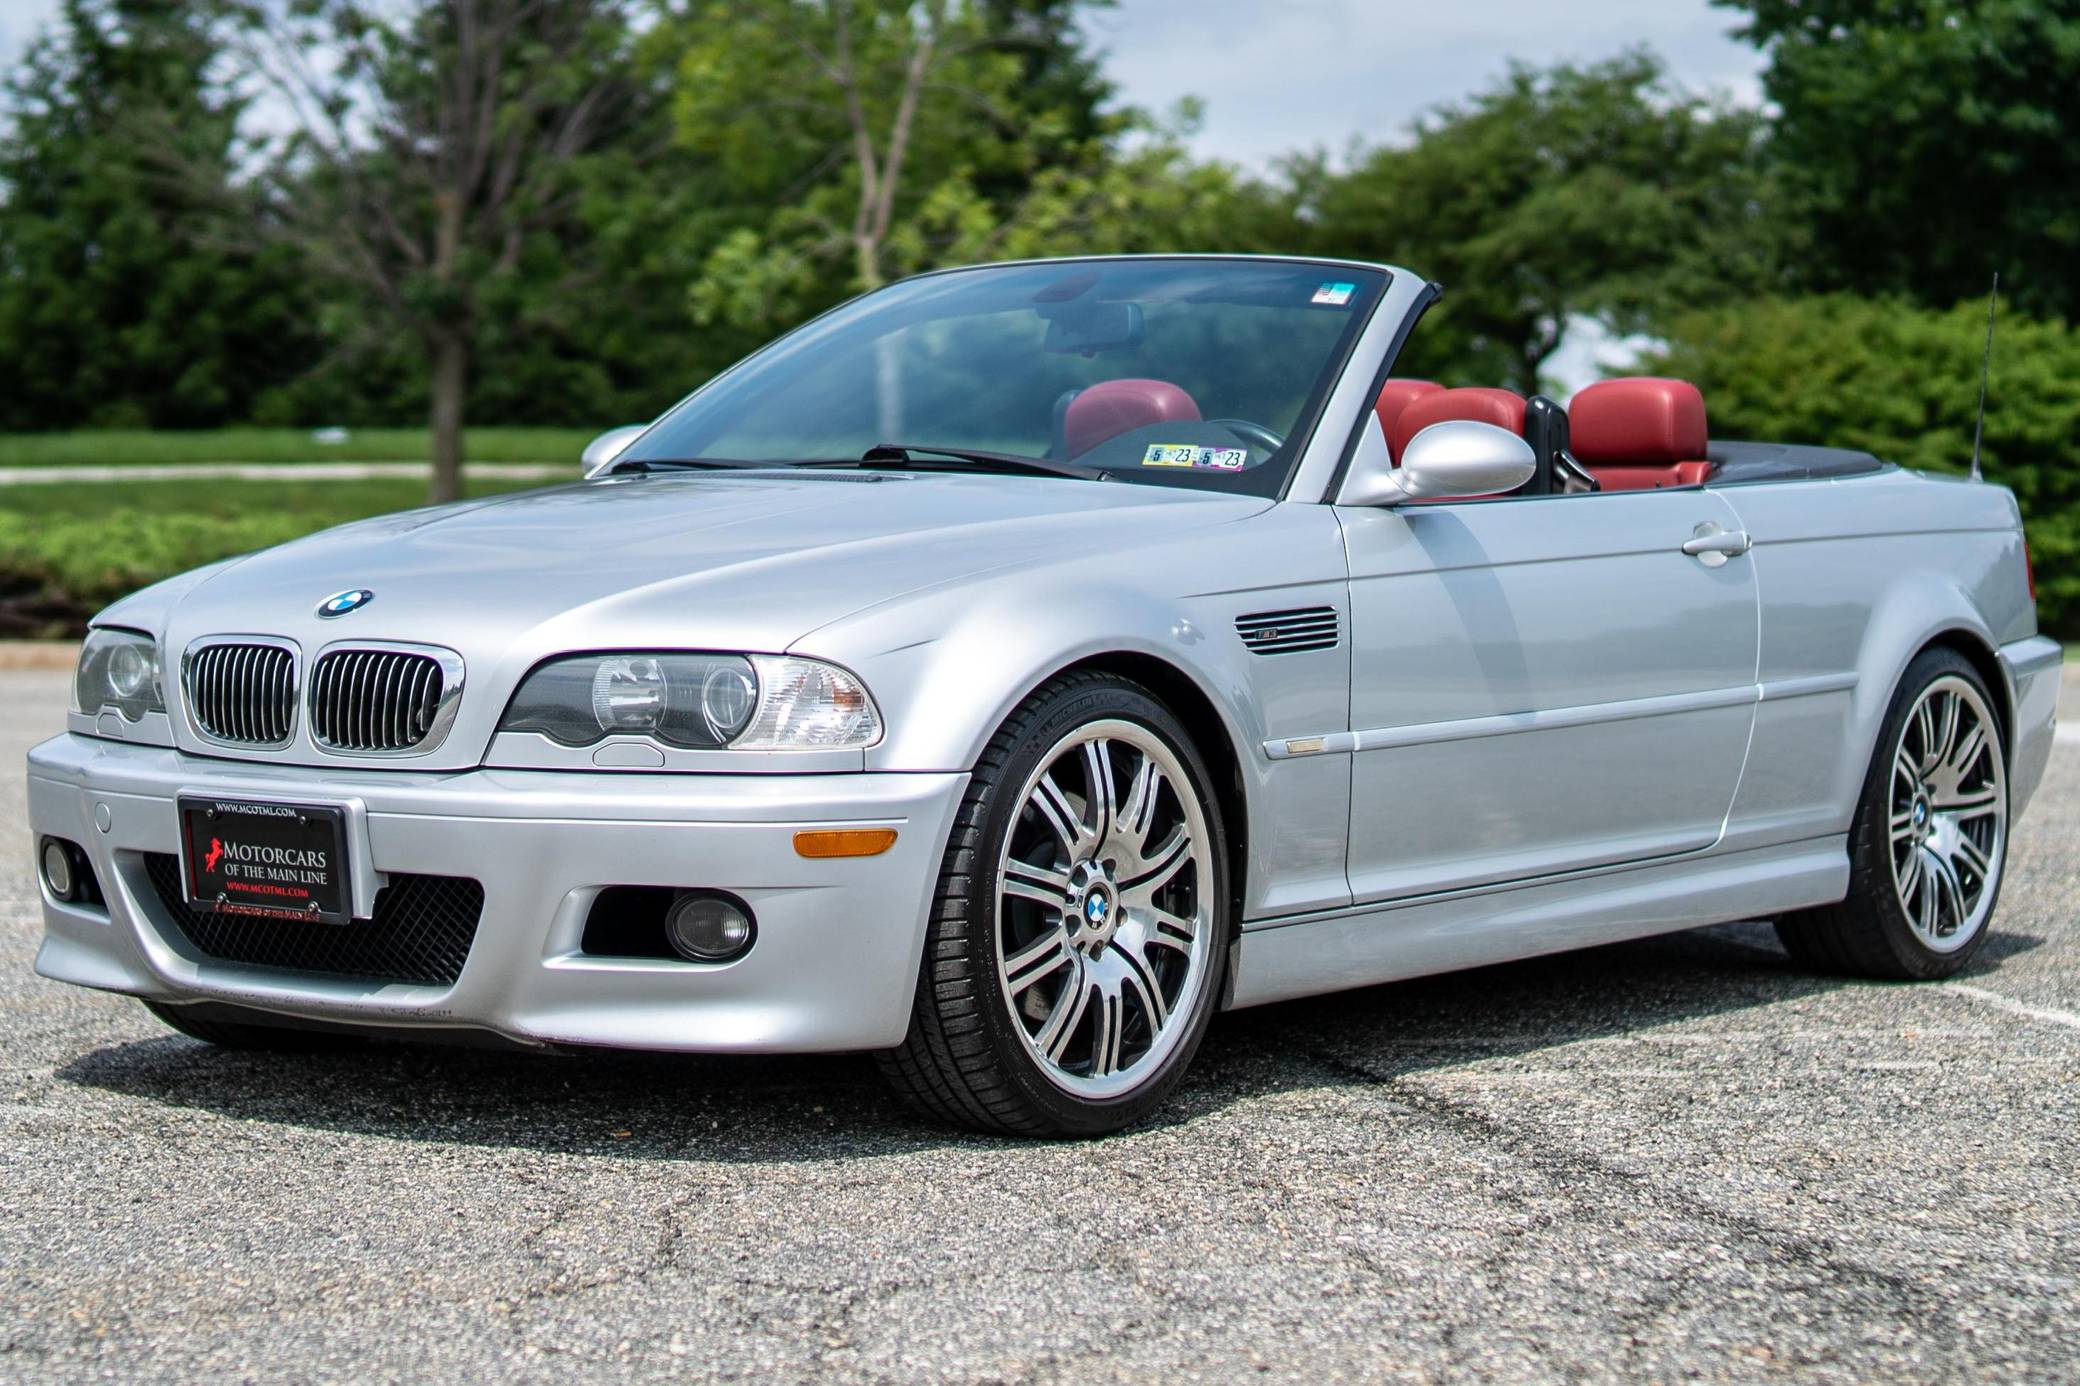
{"x":340,"y":603}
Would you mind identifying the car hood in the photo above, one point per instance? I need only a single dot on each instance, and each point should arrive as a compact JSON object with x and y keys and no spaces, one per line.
{"x":689,"y":560}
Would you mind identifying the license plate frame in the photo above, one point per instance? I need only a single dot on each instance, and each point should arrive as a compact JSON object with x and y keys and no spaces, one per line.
{"x":266,"y":859}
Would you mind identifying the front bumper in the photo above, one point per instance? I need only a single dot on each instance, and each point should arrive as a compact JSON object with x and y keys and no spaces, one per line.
{"x":834,"y":967}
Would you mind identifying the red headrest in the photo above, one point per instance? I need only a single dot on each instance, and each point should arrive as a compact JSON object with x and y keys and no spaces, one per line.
{"x":1480,"y":404}
{"x":1397,"y":395}
{"x":1113,"y":407}
{"x":1640,"y":421}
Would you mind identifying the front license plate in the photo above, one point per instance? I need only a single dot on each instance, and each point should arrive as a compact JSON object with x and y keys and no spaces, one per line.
{"x":266,"y":860}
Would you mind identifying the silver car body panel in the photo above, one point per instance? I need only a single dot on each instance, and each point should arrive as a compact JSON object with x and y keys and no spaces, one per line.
{"x":1480,"y":679}
{"x":1541,"y":723}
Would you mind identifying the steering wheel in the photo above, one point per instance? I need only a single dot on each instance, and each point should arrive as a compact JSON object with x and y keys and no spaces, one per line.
{"x":1254,"y":433}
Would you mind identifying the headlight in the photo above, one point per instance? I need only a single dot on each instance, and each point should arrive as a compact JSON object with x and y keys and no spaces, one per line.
{"x":696,"y":701}
{"x":118,"y":669}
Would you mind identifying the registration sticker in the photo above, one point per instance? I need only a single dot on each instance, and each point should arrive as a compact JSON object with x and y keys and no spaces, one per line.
{"x":1334,"y":294}
{"x":1185,"y":455}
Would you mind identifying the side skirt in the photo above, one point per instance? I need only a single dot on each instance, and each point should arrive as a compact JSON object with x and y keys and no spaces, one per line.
{"x":1282,"y":959}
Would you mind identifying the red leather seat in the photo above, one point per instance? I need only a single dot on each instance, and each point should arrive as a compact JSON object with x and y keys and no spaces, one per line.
{"x":1475,"y":403}
{"x":1396,"y":395}
{"x":1113,"y":407}
{"x":1478,"y":403}
{"x":1640,"y":432}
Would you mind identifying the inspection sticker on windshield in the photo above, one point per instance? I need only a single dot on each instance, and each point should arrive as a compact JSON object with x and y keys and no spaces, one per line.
{"x":1335,"y":295}
{"x":1185,"y":455}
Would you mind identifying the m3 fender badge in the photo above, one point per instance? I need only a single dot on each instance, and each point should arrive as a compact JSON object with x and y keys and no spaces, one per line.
{"x":340,"y":603}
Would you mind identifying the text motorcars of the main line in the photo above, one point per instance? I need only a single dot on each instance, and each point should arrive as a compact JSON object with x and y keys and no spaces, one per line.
{"x":1013,"y":667}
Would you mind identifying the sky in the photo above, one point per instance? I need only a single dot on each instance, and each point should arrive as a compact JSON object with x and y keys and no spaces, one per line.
{"x":1280,"y":75}
{"x":19,"y":20}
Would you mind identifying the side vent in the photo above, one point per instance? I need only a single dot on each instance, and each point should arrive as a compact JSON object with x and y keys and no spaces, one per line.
{"x":1288,"y":632}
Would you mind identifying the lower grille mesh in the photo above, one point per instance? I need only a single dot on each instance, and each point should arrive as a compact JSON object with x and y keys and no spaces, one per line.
{"x":421,"y":933}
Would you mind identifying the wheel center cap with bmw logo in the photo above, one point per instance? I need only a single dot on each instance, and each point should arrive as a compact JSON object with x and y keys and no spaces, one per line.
{"x":340,"y":603}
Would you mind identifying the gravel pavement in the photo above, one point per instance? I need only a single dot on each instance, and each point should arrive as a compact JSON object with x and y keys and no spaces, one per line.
{"x":1680,"y":1158}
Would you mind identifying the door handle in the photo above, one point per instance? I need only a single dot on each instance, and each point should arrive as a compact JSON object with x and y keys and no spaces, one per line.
{"x":1712,"y":546}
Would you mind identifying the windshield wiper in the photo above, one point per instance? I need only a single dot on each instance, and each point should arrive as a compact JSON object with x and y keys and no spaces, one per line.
{"x":679,"y":464}
{"x":1003,"y":461}
{"x":909,"y":454}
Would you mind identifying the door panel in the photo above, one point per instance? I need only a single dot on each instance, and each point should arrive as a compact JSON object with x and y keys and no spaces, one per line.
{"x":1542,"y":685}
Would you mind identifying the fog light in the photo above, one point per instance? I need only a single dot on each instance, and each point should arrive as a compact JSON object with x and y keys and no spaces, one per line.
{"x":708,"y":927}
{"x":57,"y":869}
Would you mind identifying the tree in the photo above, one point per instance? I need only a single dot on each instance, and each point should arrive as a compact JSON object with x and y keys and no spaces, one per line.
{"x":434,"y":153}
{"x":1599,"y":191}
{"x":1930,"y":142}
{"x":1146,"y":195}
{"x":123,"y":299}
{"x":840,"y":119}
{"x":1903,"y":382}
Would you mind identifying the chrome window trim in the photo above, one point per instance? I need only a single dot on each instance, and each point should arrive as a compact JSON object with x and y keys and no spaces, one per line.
{"x":453,"y":671}
{"x":186,"y":690}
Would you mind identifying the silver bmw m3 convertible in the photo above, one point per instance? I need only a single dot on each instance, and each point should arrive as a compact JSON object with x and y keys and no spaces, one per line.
{"x":1015,"y":666}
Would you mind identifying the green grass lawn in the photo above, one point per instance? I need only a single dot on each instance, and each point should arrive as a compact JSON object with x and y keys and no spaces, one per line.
{"x":116,"y":447}
{"x":67,"y":549}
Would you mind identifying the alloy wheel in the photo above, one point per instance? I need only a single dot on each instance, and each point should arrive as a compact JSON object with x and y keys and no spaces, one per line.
{"x":1105,"y":911}
{"x":1948,"y":814}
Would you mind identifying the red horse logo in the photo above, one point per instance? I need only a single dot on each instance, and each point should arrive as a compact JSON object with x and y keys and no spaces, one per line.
{"x":216,"y":854}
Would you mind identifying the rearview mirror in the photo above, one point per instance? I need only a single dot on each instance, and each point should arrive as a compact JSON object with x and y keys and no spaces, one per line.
{"x":601,"y":452}
{"x":1446,"y":461}
{"x":1085,"y":329}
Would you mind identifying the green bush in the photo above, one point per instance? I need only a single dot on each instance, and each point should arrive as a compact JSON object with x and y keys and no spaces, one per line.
{"x":114,"y":447}
{"x":1903,"y":383}
{"x":68,"y":549}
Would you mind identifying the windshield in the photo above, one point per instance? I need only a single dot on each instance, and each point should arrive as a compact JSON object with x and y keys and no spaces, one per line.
{"x":1181,"y":372}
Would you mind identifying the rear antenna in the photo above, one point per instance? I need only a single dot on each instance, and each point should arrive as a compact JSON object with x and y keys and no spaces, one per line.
{"x":1985,"y":369}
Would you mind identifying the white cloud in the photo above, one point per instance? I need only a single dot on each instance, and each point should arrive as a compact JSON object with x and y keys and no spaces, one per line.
{"x":19,"y":22}
{"x":1278,"y":75}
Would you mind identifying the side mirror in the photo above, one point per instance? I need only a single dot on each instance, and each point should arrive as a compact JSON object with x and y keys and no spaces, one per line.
{"x":1446,"y":460}
{"x":600,"y":453}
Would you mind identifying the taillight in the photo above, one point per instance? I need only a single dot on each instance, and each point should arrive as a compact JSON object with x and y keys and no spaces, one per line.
{"x":2029,"y":569}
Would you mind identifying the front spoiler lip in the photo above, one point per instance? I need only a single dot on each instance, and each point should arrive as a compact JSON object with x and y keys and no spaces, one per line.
{"x":835,"y":967}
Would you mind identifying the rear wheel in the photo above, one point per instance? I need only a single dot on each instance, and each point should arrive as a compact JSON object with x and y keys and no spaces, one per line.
{"x":1080,"y":926}
{"x":1930,"y":839}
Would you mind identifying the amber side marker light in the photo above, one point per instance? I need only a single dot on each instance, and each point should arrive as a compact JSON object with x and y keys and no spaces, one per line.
{"x":844,"y":842}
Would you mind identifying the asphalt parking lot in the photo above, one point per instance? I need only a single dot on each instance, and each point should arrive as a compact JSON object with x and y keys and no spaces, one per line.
{"x":1674,"y":1159}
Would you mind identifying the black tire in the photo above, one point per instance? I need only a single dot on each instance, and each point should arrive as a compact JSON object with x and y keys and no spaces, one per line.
{"x":961,"y":1061}
{"x":239,"y":1034}
{"x":1869,"y":934}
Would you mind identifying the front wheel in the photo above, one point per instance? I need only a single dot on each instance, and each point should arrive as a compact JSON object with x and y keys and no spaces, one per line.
{"x":1080,"y":926}
{"x":1930,"y":838}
